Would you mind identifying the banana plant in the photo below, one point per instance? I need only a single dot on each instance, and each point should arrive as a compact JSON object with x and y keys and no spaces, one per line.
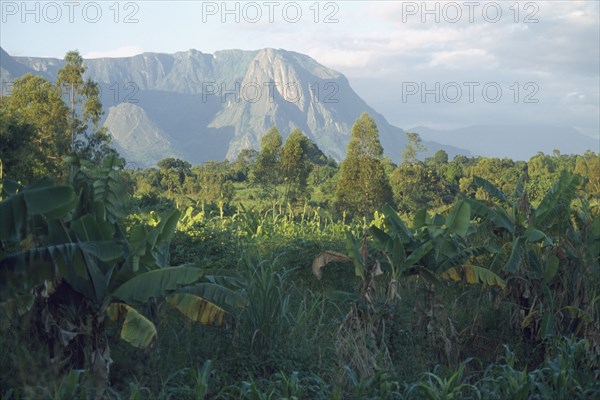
{"x":544,"y":251}
{"x":67,"y":238}
{"x":436,"y":247}
{"x":396,"y":248}
{"x":521,"y":222}
{"x":401,"y":251}
{"x":356,"y":343}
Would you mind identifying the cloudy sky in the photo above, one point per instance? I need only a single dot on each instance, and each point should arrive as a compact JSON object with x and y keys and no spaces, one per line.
{"x":443,"y":64}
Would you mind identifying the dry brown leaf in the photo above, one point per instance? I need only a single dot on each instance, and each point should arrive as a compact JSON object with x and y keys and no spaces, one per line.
{"x":377,"y":269}
{"x":325,"y":258}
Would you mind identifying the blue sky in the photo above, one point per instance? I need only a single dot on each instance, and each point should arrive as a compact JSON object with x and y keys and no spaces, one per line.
{"x":543,"y":56}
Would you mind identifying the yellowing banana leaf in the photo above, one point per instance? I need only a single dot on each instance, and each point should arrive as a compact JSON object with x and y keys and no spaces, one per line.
{"x":197,"y":309}
{"x":473,"y":274}
{"x":576,"y":312}
{"x":137,"y":329}
{"x":217,"y":293}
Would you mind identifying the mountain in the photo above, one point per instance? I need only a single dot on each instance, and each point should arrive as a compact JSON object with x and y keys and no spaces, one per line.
{"x":512,"y":140}
{"x":137,"y":137}
{"x":10,"y":70}
{"x":199,"y":106}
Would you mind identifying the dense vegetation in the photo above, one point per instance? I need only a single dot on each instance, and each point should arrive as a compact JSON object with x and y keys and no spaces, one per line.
{"x":292,"y":276}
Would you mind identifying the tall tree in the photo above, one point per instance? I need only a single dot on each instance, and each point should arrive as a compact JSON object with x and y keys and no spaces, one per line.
{"x":33,"y":130}
{"x":174,"y":173}
{"x":15,"y":153}
{"x":419,"y":185}
{"x":70,"y":77}
{"x":240,"y":169}
{"x":363,"y":186}
{"x":89,"y":142}
{"x":266,"y":169}
{"x":413,"y":148}
{"x":439,"y":158}
{"x":295,"y":165}
{"x":214,"y":182}
{"x":588,"y":166}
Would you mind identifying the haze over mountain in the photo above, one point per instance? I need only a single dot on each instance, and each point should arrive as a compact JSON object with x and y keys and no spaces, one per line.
{"x":200,"y":106}
{"x":510,"y":140}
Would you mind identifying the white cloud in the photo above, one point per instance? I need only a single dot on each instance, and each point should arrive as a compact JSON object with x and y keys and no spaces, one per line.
{"x":341,"y":58}
{"x":575,"y":98}
{"x":462,"y":58}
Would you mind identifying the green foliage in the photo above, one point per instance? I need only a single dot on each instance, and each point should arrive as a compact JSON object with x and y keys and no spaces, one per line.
{"x":475,"y":255}
{"x":267,"y":316}
{"x":539,"y":258}
{"x":33,"y":126}
{"x":42,"y":199}
{"x":91,"y":143}
{"x":37,"y":129}
{"x":445,"y":387}
{"x":413,"y":148}
{"x":86,"y":260}
{"x":214,"y":184}
{"x":419,"y":185}
{"x":440,"y":157}
{"x":295,"y":165}
{"x":362,"y":186}
{"x":266,"y":172}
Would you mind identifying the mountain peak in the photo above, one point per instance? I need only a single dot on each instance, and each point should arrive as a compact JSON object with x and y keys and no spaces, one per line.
{"x":200,"y":106}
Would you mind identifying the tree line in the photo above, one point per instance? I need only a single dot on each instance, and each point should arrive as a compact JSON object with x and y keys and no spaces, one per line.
{"x":41,"y":123}
{"x":297,"y":172}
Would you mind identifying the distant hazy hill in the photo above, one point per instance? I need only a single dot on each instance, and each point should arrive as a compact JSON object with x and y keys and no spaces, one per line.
{"x":513,"y":140}
{"x":161,"y":105}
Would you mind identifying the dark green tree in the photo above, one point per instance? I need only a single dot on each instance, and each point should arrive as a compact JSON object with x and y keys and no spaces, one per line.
{"x":419,"y":185}
{"x":240,"y":169}
{"x":439,"y":158}
{"x":388,"y":166}
{"x":316,"y":156}
{"x":15,"y":161}
{"x":295,"y":165}
{"x":173,"y":175}
{"x":266,"y":172}
{"x":362,"y":186}
{"x":33,"y":130}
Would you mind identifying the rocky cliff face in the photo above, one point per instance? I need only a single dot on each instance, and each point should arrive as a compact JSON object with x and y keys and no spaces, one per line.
{"x":200,"y":106}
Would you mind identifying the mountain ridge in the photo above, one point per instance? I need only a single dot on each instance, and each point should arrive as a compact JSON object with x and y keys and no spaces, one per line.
{"x":203,"y":105}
